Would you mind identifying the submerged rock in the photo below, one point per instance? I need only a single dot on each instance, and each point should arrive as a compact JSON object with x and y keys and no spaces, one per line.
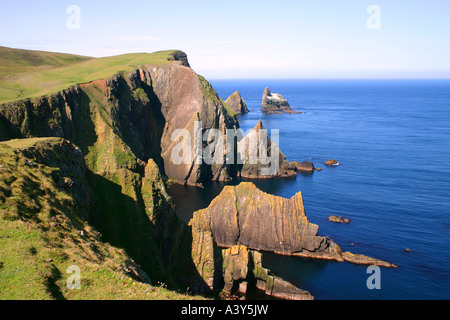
{"x":236,"y":103}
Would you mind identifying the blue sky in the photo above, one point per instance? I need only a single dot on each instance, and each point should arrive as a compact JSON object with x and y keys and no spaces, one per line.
{"x":248,"y":38}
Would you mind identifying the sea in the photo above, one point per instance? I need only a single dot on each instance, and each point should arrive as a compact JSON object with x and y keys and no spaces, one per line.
{"x":392,"y":138}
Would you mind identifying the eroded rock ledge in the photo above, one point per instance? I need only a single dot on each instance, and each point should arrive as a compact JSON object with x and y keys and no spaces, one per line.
{"x":245,"y":215}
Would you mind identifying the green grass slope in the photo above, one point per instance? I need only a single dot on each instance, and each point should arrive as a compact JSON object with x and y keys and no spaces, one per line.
{"x":42,"y":234}
{"x":28,"y":74}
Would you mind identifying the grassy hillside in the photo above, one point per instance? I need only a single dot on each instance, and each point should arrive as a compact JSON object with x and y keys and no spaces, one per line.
{"x":13,"y":61}
{"x":42,"y":232}
{"x":28,"y":74}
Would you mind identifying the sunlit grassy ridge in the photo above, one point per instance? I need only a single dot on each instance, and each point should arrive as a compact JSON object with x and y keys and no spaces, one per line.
{"x":27,"y":74}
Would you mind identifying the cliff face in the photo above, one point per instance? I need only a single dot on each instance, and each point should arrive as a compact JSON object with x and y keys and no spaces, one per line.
{"x":243,"y":269}
{"x":237,"y":269}
{"x":237,"y":103}
{"x":123,"y":126}
{"x":244,"y":215}
{"x":133,"y":114}
{"x":186,"y":98}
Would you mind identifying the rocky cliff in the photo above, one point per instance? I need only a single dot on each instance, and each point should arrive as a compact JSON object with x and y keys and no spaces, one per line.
{"x":244,"y":215}
{"x":123,"y":126}
{"x":186,"y":98}
{"x":132,"y":114}
{"x":243,"y":269}
{"x":237,"y":269}
{"x":236,"y":103}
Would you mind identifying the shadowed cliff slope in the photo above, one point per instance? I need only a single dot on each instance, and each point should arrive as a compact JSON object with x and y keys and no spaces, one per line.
{"x":45,"y":202}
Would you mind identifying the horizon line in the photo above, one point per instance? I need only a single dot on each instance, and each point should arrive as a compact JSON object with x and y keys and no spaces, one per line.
{"x":327,"y":79}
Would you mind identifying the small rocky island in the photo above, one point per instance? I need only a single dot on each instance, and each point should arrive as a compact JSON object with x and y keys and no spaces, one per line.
{"x":275,"y":103}
{"x":236,"y":103}
{"x":332,"y":162}
{"x":337,"y":219}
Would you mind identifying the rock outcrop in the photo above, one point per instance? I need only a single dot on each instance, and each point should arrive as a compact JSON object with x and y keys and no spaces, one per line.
{"x":236,"y":103}
{"x":261,"y":158}
{"x":244,"y":215}
{"x":337,"y":219}
{"x":332,"y":162}
{"x":275,"y":103}
{"x":242,"y":269}
{"x":237,"y":269}
{"x":181,"y":56}
{"x":305,"y":166}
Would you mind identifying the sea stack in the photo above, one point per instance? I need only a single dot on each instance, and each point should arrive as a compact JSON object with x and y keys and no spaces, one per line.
{"x":275,"y":103}
{"x":236,"y":103}
{"x":277,"y":165}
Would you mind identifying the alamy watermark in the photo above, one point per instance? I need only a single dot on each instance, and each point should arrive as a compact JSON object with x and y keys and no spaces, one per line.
{"x":212,"y":146}
{"x":73,"y":22}
{"x":374,"y":20}
{"x":374,"y":281}
{"x":74,"y":281}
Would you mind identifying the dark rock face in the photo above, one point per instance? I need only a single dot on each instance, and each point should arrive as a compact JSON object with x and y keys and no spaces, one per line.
{"x":236,"y":103}
{"x":244,"y":215}
{"x":242,"y":268}
{"x":181,"y":56}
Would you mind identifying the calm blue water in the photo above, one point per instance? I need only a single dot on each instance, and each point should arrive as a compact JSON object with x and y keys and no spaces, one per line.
{"x":393,"y":140}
